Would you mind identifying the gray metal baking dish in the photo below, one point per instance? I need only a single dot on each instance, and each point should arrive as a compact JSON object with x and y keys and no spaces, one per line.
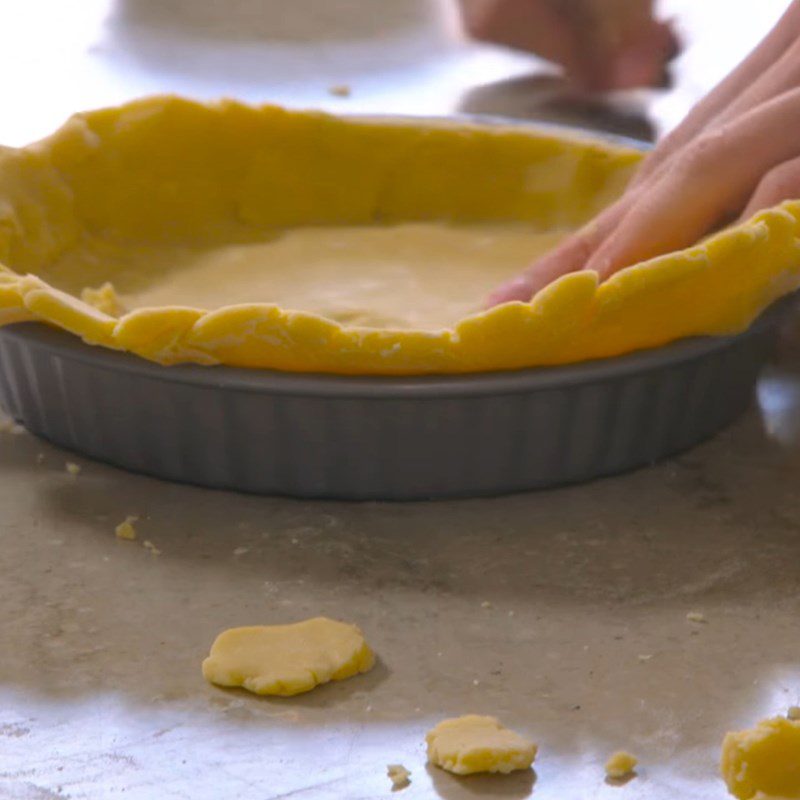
{"x":379,"y":437}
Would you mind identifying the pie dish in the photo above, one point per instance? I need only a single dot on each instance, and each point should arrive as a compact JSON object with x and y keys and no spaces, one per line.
{"x":163,"y":176}
{"x":114,"y":196}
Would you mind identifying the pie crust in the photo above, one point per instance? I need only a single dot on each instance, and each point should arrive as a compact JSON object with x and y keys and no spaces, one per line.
{"x":168,"y":169}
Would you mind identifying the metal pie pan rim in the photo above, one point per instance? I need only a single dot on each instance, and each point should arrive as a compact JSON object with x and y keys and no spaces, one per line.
{"x":489,"y":120}
{"x":68,"y":346}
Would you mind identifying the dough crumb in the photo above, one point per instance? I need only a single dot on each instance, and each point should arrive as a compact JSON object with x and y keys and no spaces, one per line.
{"x":645,"y":656}
{"x":398,"y":775}
{"x":125,"y":529}
{"x":8,"y":425}
{"x":340,"y":90}
{"x":763,"y":760}
{"x":40,"y":458}
{"x":486,"y":604}
{"x":793,"y":713}
{"x":473,"y":743}
{"x":240,"y":551}
{"x":696,"y":616}
{"x":621,"y":765}
{"x":105,"y":299}
{"x":72,"y":468}
{"x":148,"y":545}
{"x":287,"y":659}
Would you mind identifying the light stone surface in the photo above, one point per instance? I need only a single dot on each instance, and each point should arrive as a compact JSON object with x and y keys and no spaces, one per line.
{"x":584,"y":647}
{"x":100,"y":684}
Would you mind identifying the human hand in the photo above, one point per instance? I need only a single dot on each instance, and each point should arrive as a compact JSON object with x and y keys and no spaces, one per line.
{"x":600,"y":44}
{"x":737,"y":152}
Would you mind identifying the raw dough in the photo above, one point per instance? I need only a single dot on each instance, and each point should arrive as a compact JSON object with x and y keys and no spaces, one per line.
{"x":621,"y":764}
{"x":287,"y":659}
{"x":398,"y":775}
{"x":473,"y":743}
{"x":7,"y":425}
{"x":764,"y":759}
{"x":104,"y":299}
{"x":149,"y":546}
{"x":425,"y":276}
{"x":125,"y":529}
{"x":149,"y":195}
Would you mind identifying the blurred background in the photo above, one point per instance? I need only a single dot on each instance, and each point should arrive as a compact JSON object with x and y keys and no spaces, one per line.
{"x":398,"y":56}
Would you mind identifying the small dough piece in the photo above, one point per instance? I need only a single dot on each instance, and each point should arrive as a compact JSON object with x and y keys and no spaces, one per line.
{"x":398,"y":775}
{"x":104,"y":299}
{"x":473,"y":743}
{"x":621,"y":765}
{"x":125,"y":529}
{"x":287,"y":659}
{"x":8,"y":425}
{"x":764,"y":759}
{"x":72,"y":468}
{"x":148,"y":545}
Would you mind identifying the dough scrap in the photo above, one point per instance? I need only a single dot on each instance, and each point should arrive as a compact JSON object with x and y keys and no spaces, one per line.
{"x":763,"y":760}
{"x":125,"y":529}
{"x":151,"y":548}
{"x":620,"y":765}
{"x":105,"y":299}
{"x":7,"y":425}
{"x":475,"y":743}
{"x":398,"y":775}
{"x":287,"y":659}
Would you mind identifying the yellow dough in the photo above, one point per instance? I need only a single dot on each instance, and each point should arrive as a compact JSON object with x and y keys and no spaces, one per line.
{"x":104,"y":298}
{"x":422,"y":275}
{"x":764,"y":760}
{"x":258,"y":237}
{"x":126,"y":529}
{"x":287,"y":659}
{"x":621,"y":764}
{"x":398,"y":775}
{"x":478,"y":744}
